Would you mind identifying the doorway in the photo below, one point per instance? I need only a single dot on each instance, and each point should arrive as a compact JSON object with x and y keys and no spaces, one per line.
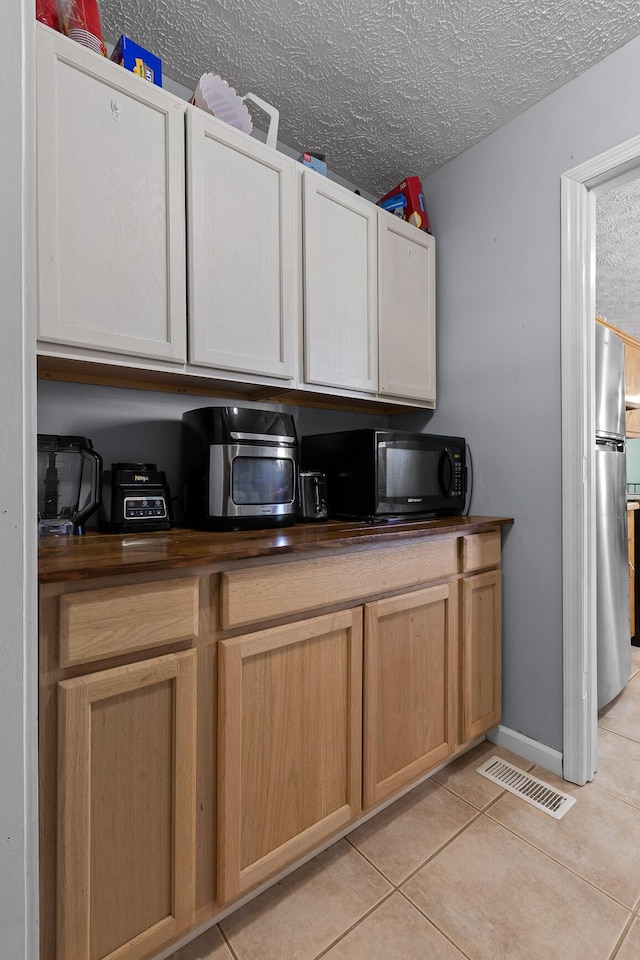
{"x":579,"y":188}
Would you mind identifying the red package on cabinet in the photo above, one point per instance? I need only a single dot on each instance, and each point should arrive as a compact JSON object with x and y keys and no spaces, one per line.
{"x":415,"y":210}
{"x":47,"y":12}
{"x":81,"y":21}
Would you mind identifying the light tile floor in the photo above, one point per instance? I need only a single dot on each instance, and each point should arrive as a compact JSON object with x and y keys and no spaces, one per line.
{"x":458,"y":868}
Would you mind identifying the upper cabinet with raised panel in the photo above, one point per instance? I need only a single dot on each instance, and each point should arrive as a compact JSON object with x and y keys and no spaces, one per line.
{"x":242,"y":207}
{"x":407,"y":310}
{"x":111,"y":229}
{"x":340,"y":293}
{"x":274,"y":253}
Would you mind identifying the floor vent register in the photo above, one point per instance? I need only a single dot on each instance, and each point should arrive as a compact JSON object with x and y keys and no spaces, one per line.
{"x":536,"y":792}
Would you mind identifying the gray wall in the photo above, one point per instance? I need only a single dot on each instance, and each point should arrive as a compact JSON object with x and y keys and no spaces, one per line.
{"x":495,"y":211}
{"x":142,"y":426}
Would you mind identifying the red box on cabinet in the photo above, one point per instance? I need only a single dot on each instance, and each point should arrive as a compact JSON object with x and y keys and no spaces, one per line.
{"x":415,"y":211}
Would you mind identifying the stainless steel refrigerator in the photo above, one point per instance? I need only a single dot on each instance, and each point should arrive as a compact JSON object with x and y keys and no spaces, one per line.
{"x":614,"y":624}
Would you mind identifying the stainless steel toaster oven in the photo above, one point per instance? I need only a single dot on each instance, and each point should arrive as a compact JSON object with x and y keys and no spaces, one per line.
{"x":239,"y":468}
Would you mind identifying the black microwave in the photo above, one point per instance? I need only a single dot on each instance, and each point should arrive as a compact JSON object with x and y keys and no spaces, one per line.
{"x":384,"y":474}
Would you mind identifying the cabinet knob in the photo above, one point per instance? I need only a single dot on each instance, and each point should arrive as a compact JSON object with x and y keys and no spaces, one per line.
{"x":115,"y":109}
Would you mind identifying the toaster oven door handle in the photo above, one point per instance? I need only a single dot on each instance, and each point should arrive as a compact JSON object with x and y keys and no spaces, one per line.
{"x":270,"y":437}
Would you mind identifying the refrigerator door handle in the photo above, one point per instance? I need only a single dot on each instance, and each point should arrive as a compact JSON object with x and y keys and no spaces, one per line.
{"x":609,"y":442}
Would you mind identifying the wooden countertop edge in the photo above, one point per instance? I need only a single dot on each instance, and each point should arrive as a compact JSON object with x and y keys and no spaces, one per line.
{"x":96,"y":555}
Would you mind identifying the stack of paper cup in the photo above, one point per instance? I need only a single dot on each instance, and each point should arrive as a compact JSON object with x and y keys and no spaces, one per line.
{"x":81,"y":21}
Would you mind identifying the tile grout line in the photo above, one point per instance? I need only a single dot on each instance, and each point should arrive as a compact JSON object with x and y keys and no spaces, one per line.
{"x":629,"y":803}
{"x":436,"y":853}
{"x":435,"y":925}
{"x":620,"y":942}
{"x":360,"y":919}
{"x":570,"y":870}
{"x":370,"y":862}
{"x":478,"y":813}
{"x":616,"y":733}
{"x":226,"y":940}
{"x":396,"y":888}
{"x":355,"y":924}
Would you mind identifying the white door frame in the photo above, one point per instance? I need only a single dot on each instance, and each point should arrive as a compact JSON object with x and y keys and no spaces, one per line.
{"x":18,"y":521}
{"x":579,"y":187}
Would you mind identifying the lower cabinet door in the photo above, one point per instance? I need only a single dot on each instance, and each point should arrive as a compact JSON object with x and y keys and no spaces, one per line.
{"x":290,"y":705}
{"x":126,"y":781}
{"x":409,"y":683}
{"x":481,"y":653}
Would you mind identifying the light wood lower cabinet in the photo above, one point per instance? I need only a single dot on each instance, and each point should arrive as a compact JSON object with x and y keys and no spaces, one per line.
{"x":187,"y":779}
{"x":289,"y":744}
{"x":481,"y":653}
{"x":126,"y":809}
{"x":409,"y":688}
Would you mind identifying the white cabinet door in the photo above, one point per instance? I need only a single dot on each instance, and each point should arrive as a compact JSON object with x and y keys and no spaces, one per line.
{"x":407,"y":315}
{"x":243,"y":272}
{"x":111,"y":230}
{"x":340,"y":289}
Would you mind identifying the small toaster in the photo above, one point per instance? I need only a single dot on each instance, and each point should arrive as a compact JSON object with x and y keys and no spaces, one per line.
{"x":312,"y":495}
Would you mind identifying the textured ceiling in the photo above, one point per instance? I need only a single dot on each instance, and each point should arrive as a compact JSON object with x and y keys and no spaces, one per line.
{"x":618,"y":257}
{"x":386,"y":88}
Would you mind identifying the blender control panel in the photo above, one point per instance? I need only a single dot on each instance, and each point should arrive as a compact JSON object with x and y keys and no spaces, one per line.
{"x":151,"y":507}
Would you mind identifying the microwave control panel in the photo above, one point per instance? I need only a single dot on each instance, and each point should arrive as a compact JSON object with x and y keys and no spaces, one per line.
{"x":457,"y":480}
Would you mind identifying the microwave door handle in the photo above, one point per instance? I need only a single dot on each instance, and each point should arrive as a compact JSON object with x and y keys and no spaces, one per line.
{"x":446,"y":460}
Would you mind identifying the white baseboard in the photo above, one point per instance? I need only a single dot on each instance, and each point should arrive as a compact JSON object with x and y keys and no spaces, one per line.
{"x":527,"y":748}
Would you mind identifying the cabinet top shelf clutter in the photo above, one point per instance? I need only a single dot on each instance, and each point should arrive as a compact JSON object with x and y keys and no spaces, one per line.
{"x":136,"y":280}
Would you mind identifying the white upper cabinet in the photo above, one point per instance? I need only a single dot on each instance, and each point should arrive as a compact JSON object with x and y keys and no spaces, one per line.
{"x":340,"y":288}
{"x":288,"y":280}
{"x":406,"y":286}
{"x":242,"y":205}
{"x":111,"y":225}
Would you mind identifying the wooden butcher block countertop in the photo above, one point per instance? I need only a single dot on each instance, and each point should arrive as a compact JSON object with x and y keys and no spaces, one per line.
{"x":99,"y":554}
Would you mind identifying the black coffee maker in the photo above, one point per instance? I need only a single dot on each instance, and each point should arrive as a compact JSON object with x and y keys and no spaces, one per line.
{"x":69,"y":483}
